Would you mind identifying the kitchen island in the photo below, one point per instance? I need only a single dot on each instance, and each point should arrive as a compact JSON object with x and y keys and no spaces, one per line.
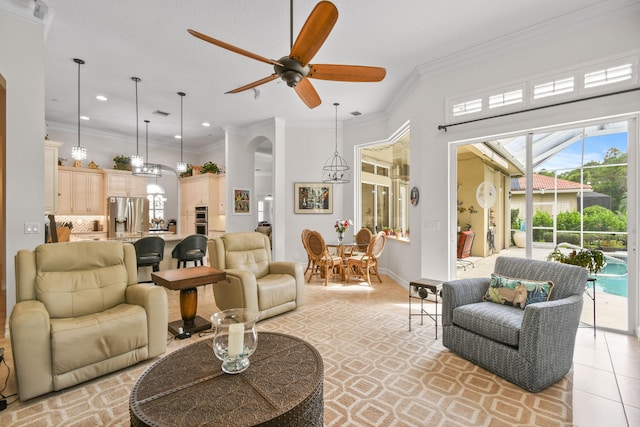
{"x":170,"y":239}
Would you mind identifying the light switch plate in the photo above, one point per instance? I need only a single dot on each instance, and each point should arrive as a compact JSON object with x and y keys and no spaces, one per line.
{"x":31,"y":228}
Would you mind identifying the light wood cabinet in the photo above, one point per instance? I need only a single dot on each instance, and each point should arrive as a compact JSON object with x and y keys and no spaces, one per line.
{"x":200,"y":190}
{"x":51,"y":176}
{"x":125,"y":184}
{"x":80,"y":191}
{"x":65,"y":191}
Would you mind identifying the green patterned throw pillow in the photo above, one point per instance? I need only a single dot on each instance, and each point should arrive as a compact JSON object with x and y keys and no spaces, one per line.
{"x":517,"y":292}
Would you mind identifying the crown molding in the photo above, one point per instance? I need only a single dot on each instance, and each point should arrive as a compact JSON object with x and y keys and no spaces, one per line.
{"x":526,"y":36}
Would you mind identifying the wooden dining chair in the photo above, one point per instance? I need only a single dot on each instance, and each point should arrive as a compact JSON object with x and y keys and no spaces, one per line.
{"x":324,"y":262}
{"x":367,"y":263}
{"x":305,"y":244}
{"x":363,"y":237}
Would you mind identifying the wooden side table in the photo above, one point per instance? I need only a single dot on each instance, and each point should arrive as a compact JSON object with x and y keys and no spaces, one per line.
{"x":420,"y":289}
{"x":186,"y":280}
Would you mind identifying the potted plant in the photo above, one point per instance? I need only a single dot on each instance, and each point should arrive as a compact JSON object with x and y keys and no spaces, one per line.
{"x":519,"y":235}
{"x":210,"y":167}
{"x":398,"y":232}
{"x":386,"y":230}
{"x":122,"y":163}
{"x":591,"y":259}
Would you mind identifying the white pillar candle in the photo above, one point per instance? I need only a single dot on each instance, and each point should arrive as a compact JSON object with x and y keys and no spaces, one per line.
{"x":236,"y":339}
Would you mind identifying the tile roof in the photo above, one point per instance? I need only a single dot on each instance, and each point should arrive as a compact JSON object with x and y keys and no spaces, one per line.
{"x":541,"y":182}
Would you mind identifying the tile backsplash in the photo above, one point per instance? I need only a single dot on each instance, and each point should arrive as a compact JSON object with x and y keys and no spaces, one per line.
{"x":83,"y":223}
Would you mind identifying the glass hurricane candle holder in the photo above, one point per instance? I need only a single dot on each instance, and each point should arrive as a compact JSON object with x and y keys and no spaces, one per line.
{"x":235,"y":338}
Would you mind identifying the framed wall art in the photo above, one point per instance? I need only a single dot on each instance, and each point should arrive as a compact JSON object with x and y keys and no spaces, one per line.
{"x":241,"y":201}
{"x":313,"y":198}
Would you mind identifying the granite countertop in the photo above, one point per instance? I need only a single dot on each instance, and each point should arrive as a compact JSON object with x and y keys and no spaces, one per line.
{"x":166,"y":235}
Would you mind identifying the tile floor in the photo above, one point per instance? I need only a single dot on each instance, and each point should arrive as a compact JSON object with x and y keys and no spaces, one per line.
{"x":606,"y":380}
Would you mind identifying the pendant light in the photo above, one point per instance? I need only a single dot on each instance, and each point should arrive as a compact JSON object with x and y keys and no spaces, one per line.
{"x":335,"y":169}
{"x":137,"y":161}
{"x":181,"y":166}
{"x":78,"y":152}
{"x":149,"y":170}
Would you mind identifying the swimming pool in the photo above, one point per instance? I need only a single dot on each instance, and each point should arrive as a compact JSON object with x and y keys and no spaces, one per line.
{"x":613,"y":279}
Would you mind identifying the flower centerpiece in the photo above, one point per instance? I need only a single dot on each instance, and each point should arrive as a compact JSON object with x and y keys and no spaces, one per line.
{"x":341,"y":226}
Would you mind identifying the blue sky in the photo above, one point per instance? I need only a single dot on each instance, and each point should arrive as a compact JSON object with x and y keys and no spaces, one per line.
{"x":595,"y":149}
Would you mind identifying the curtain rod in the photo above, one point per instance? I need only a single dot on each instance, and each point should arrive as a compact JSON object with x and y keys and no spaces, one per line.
{"x":444,"y":127}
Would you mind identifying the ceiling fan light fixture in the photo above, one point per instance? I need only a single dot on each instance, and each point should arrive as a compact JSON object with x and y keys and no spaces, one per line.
{"x":336,"y":170}
{"x":291,"y":71}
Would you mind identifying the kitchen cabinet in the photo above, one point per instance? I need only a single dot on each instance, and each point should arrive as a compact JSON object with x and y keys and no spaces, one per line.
{"x":200,"y":190}
{"x":124,"y":184}
{"x":51,"y":176}
{"x":80,"y":191}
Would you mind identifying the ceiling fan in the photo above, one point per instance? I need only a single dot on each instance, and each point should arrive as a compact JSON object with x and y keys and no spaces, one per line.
{"x":295,"y":68}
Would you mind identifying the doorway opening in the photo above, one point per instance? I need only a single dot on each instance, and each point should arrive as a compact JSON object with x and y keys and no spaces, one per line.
{"x":566,"y":187}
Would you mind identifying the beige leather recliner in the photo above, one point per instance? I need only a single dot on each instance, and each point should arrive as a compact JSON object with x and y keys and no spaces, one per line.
{"x":253,"y":280}
{"x":80,"y":314}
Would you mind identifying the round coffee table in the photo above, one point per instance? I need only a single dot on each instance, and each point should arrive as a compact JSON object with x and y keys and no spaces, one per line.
{"x":281,"y":387}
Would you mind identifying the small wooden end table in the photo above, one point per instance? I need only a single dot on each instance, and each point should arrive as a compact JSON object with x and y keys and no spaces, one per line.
{"x":419,"y":289}
{"x":186,"y":280}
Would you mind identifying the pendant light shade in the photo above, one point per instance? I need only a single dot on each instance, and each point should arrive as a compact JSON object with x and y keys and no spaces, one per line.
{"x":335,"y":169}
{"x":149,"y":170}
{"x":137,"y":160}
{"x":78,"y":152}
{"x":181,"y":166}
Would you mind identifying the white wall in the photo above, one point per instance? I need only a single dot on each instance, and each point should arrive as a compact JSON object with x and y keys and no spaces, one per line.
{"x":22,"y":65}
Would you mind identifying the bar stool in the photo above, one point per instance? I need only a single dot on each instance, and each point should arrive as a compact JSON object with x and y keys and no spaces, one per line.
{"x":149,"y":252}
{"x":191,"y":248}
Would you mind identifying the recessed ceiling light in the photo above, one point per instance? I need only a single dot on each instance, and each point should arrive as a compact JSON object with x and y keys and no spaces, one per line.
{"x":84,"y":118}
{"x":205,"y":124}
{"x":160,"y":113}
{"x":177,"y":137}
{"x":101,"y":98}
{"x":356,"y":113}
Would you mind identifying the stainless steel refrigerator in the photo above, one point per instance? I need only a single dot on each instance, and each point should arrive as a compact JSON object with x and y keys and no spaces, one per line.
{"x":127,"y":216}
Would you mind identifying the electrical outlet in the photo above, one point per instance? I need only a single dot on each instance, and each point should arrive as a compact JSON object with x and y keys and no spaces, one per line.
{"x":31,"y":228}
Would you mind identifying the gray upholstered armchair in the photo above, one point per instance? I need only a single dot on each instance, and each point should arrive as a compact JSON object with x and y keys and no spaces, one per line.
{"x":531,"y":347}
{"x":253,"y":280}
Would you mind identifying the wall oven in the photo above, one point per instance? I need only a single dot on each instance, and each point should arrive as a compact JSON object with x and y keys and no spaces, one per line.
{"x":202,"y":223}
{"x":201,"y":228}
{"x":202,"y":214}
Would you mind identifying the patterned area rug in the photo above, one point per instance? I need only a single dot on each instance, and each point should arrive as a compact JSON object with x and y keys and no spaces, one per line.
{"x":377,"y":373}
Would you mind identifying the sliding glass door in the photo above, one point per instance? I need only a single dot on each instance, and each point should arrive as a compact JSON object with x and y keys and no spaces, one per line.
{"x":570,"y":190}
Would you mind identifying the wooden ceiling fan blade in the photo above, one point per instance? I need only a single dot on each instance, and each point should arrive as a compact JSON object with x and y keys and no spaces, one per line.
{"x":307,"y":93}
{"x":232,"y":48}
{"x":346,"y":73}
{"x":254,"y":84}
{"x":314,"y":32}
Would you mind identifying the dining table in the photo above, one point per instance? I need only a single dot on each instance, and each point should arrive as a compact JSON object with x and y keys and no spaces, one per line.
{"x":343,"y":249}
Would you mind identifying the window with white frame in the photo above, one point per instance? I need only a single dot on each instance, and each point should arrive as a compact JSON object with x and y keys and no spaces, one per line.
{"x":579,"y":81}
